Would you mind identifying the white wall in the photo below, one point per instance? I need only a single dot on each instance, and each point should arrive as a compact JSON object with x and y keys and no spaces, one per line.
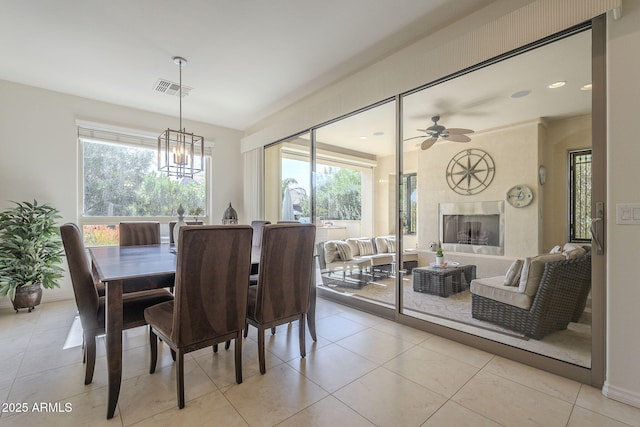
{"x":500,"y":27}
{"x":39,"y":149}
{"x":514,"y":153}
{"x":561,"y":136}
{"x":623,"y":186}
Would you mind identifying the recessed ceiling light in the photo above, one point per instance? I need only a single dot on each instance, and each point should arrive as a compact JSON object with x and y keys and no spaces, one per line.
{"x":379,"y":133}
{"x":556,"y":85}
{"x":363,"y":137}
{"x":520,"y":93}
{"x":588,"y":86}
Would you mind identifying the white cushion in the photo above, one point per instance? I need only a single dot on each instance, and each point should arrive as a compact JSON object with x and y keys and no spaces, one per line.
{"x":512,"y":278}
{"x":574,"y":253}
{"x":410,"y":255}
{"x":378,"y":259}
{"x":556,"y":250}
{"x":532,"y":272}
{"x":568,"y":247}
{"x":391,"y":245}
{"x":344,"y":251}
{"x":330,"y":252}
{"x":381,"y":245}
{"x":366,"y":247}
{"x":493,"y":288}
{"x":353,"y":244}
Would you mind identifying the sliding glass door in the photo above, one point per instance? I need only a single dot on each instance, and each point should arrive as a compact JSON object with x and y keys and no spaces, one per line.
{"x":354,"y":192}
{"x":287,"y":194}
{"x":469,"y":201}
{"x":501,"y":159}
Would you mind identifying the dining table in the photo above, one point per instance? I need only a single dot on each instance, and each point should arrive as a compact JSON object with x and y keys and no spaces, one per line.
{"x":118,"y":267}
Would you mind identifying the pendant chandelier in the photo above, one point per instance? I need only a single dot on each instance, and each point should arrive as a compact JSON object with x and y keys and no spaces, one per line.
{"x":180,"y":153}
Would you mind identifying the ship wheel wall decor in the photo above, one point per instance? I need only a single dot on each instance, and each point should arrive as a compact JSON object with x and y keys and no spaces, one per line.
{"x":470,"y":171}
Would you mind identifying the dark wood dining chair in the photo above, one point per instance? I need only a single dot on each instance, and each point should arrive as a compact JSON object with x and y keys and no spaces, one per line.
{"x":210,"y":296}
{"x":140,"y":233}
{"x":282,"y":293}
{"x":253,"y":279}
{"x":136,"y":233}
{"x":172,"y":225}
{"x":91,"y":307}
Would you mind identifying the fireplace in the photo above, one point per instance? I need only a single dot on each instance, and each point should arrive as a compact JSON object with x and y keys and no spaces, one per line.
{"x":476,"y":227}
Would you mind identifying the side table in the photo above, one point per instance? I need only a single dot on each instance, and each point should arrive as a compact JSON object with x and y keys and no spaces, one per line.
{"x":443,"y":281}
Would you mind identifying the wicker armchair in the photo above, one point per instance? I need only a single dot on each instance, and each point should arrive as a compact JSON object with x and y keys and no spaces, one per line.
{"x":560,"y":298}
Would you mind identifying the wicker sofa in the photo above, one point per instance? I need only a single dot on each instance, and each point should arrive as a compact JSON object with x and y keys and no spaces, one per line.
{"x":359,"y":261}
{"x":342,"y":263}
{"x":550,"y":294}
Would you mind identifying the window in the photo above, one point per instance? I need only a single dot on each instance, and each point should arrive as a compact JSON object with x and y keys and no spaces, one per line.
{"x":409,"y":200}
{"x":580,"y":195}
{"x":339,"y":193}
{"x":121,"y":181}
{"x":295,"y":190}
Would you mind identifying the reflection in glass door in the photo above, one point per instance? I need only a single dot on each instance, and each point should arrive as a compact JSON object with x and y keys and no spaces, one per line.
{"x":491,"y":158}
{"x":355,"y":181}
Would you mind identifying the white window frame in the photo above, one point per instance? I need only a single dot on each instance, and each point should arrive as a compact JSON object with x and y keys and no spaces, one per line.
{"x":89,"y":131}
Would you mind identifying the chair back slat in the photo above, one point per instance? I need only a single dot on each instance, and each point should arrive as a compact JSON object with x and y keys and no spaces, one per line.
{"x":137,"y":233}
{"x":285,"y":271}
{"x":212,"y":278}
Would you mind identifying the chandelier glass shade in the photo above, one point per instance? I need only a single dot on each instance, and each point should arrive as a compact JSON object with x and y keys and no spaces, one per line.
{"x":180,"y":153}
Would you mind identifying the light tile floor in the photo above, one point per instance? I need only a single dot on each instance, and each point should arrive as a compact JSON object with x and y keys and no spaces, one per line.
{"x":362,"y":371}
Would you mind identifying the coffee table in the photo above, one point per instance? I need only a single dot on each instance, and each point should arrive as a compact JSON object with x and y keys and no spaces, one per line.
{"x":443,"y":281}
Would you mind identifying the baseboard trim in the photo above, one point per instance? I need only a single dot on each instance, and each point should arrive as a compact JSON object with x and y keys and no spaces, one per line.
{"x":621,"y":395}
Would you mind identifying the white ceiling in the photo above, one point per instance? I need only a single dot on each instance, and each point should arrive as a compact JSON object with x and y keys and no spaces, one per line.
{"x":480,"y":100}
{"x":246,"y":58}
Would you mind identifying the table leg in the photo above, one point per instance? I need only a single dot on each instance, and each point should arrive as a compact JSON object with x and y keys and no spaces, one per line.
{"x":113,"y":328}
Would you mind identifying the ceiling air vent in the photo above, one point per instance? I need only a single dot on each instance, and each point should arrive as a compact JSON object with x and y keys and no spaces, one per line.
{"x":171,"y":88}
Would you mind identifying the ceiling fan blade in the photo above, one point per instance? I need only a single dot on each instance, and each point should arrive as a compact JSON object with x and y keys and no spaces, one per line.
{"x":413,"y":137}
{"x":457,"y":138}
{"x":427,"y":143}
{"x":458,"y":131}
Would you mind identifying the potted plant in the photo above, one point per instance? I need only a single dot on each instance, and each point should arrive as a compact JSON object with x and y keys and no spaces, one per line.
{"x":30,"y":253}
{"x":439,"y":256}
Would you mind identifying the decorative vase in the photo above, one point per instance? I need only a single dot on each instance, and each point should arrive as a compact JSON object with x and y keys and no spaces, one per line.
{"x":439,"y":260}
{"x":27,"y":297}
{"x":181,"y":223}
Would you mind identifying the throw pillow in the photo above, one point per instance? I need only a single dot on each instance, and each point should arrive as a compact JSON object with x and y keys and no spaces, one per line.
{"x":330,"y":252}
{"x":366,"y":247}
{"x":512,"y":278}
{"x":556,"y":250}
{"x":574,"y":253}
{"x":381,"y":245}
{"x":391,"y":245}
{"x":568,"y":247}
{"x":532,"y":270}
{"x":344,"y":251}
{"x":353,"y":244}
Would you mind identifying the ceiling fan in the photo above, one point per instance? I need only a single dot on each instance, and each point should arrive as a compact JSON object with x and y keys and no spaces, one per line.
{"x":438,"y":131}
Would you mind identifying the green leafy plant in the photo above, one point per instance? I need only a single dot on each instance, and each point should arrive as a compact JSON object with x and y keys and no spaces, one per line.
{"x":439,"y":253}
{"x":195,"y":213}
{"x":30,"y":247}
